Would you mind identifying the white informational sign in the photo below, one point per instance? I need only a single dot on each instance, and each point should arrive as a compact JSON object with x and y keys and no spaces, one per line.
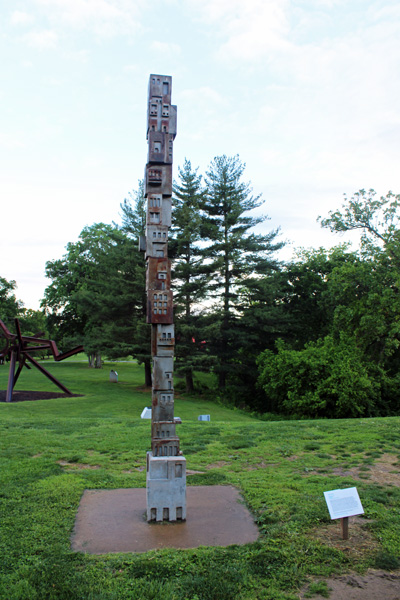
{"x":343,"y":503}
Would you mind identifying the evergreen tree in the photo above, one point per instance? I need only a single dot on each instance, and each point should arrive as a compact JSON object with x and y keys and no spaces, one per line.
{"x":236,"y":255}
{"x":190,"y":273}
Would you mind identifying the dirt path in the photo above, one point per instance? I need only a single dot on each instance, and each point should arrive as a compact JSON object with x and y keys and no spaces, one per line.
{"x":374,"y":585}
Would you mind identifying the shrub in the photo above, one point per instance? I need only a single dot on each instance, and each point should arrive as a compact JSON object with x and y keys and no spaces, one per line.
{"x":326,"y":379}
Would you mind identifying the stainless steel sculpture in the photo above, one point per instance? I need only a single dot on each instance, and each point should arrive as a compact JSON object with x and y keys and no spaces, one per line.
{"x":166,"y":467}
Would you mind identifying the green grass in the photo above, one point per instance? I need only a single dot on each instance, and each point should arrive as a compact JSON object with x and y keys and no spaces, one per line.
{"x":281,"y":467}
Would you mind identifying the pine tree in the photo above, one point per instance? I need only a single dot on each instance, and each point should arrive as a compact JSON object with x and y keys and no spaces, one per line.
{"x":236,"y":255}
{"x":190,"y":273}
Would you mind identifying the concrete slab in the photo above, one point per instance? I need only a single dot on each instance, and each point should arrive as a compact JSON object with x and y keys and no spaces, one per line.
{"x":115,"y":521}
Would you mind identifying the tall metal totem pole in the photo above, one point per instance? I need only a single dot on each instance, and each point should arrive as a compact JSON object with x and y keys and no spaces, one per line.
{"x":166,"y":467}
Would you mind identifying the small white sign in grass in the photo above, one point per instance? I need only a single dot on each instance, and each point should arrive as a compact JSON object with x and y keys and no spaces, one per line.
{"x":146,"y":413}
{"x":343,"y":504}
{"x":203,"y":418}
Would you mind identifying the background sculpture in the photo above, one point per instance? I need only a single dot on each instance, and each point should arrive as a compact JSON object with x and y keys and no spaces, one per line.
{"x":18,"y":349}
{"x":166,"y":467}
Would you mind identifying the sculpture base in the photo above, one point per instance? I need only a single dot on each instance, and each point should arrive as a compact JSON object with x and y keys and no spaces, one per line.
{"x":166,"y":488}
{"x":115,"y":521}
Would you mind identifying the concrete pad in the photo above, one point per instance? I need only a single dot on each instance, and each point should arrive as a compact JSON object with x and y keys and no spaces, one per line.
{"x":115,"y":521}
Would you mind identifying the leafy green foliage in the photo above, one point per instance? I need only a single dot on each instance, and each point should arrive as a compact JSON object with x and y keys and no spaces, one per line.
{"x":325,"y":379}
{"x":377,"y":219}
{"x":342,"y":352}
{"x":95,"y":294}
{"x":10,"y":307}
{"x":133,"y":212}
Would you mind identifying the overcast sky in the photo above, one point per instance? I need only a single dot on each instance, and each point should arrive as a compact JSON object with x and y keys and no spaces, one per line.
{"x":307,"y":92}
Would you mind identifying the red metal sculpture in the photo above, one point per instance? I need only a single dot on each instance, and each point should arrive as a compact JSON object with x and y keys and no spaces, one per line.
{"x":19,"y":348}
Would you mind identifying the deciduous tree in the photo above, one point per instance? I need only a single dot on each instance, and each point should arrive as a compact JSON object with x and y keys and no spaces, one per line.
{"x":10,"y":307}
{"x":93,"y":295}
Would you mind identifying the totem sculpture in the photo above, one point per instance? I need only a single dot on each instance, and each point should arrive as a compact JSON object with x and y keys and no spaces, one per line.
{"x":166,"y":467}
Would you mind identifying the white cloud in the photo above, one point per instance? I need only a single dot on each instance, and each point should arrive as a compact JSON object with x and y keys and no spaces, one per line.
{"x":106,"y":18}
{"x":167,"y":49}
{"x":43,"y":39}
{"x":201,"y":106}
{"x":10,"y":141}
{"x":247,"y":30}
{"x":18,"y":17}
{"x":81,"y":56}
{"x":131,"y":68}
{"x":204,"y":95}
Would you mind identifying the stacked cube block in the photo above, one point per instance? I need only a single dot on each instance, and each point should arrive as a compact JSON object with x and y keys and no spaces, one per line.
{"x":166,"y":486}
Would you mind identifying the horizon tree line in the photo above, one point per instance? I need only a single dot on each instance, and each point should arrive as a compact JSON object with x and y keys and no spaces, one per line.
{"x":319,"y":336}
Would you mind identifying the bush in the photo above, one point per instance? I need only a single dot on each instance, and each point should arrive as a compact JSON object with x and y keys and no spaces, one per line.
{"x":326,"y":379}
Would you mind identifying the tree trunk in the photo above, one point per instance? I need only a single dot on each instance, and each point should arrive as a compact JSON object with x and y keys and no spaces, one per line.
{"x":98,"y":360}
{"x":147,"y":372}
{"x":91,"y":360}
{"x":226,"y":314}
{"x":222,"y":379}
{"x":189,"y":381}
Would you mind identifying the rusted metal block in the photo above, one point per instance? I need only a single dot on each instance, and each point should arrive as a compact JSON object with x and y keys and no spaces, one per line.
{"x":158,"y":179}
{"x":160,"y":147}
{"x":162,"y":406}
{"x":163,"y":367}
{"x":165,"y":447}
{"x":156,"y":122}
{"x":158,"y":210}
{"x":154,"y":210}
{"x":160,"y":86}
{"x":157,"y":241}
{"x":163,"y":429}
{"x":159,"y":307}
{"x":158,"y":274}
{"x":154,"y":109}
{"x":162,"y":340}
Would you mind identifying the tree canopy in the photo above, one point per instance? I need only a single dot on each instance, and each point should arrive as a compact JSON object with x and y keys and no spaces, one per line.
{"x":316,"y":336}
{"x":10,"y":307}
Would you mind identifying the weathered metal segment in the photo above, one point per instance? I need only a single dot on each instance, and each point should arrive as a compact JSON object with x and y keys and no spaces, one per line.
{"x":162,"y":406}
{"x":160,"y":148}
{"x":158,"y":273}
{"x":158,"y":210}
{"x":158,"y":179}
{"x":163,"y":340}
{"x":156,"y":241}
{"x":159,"y":306}
{"x":166,"y":467}
{"x":163,"y":370}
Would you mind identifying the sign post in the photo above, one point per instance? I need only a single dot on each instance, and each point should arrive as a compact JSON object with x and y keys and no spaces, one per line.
{"x":343,"y":504}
